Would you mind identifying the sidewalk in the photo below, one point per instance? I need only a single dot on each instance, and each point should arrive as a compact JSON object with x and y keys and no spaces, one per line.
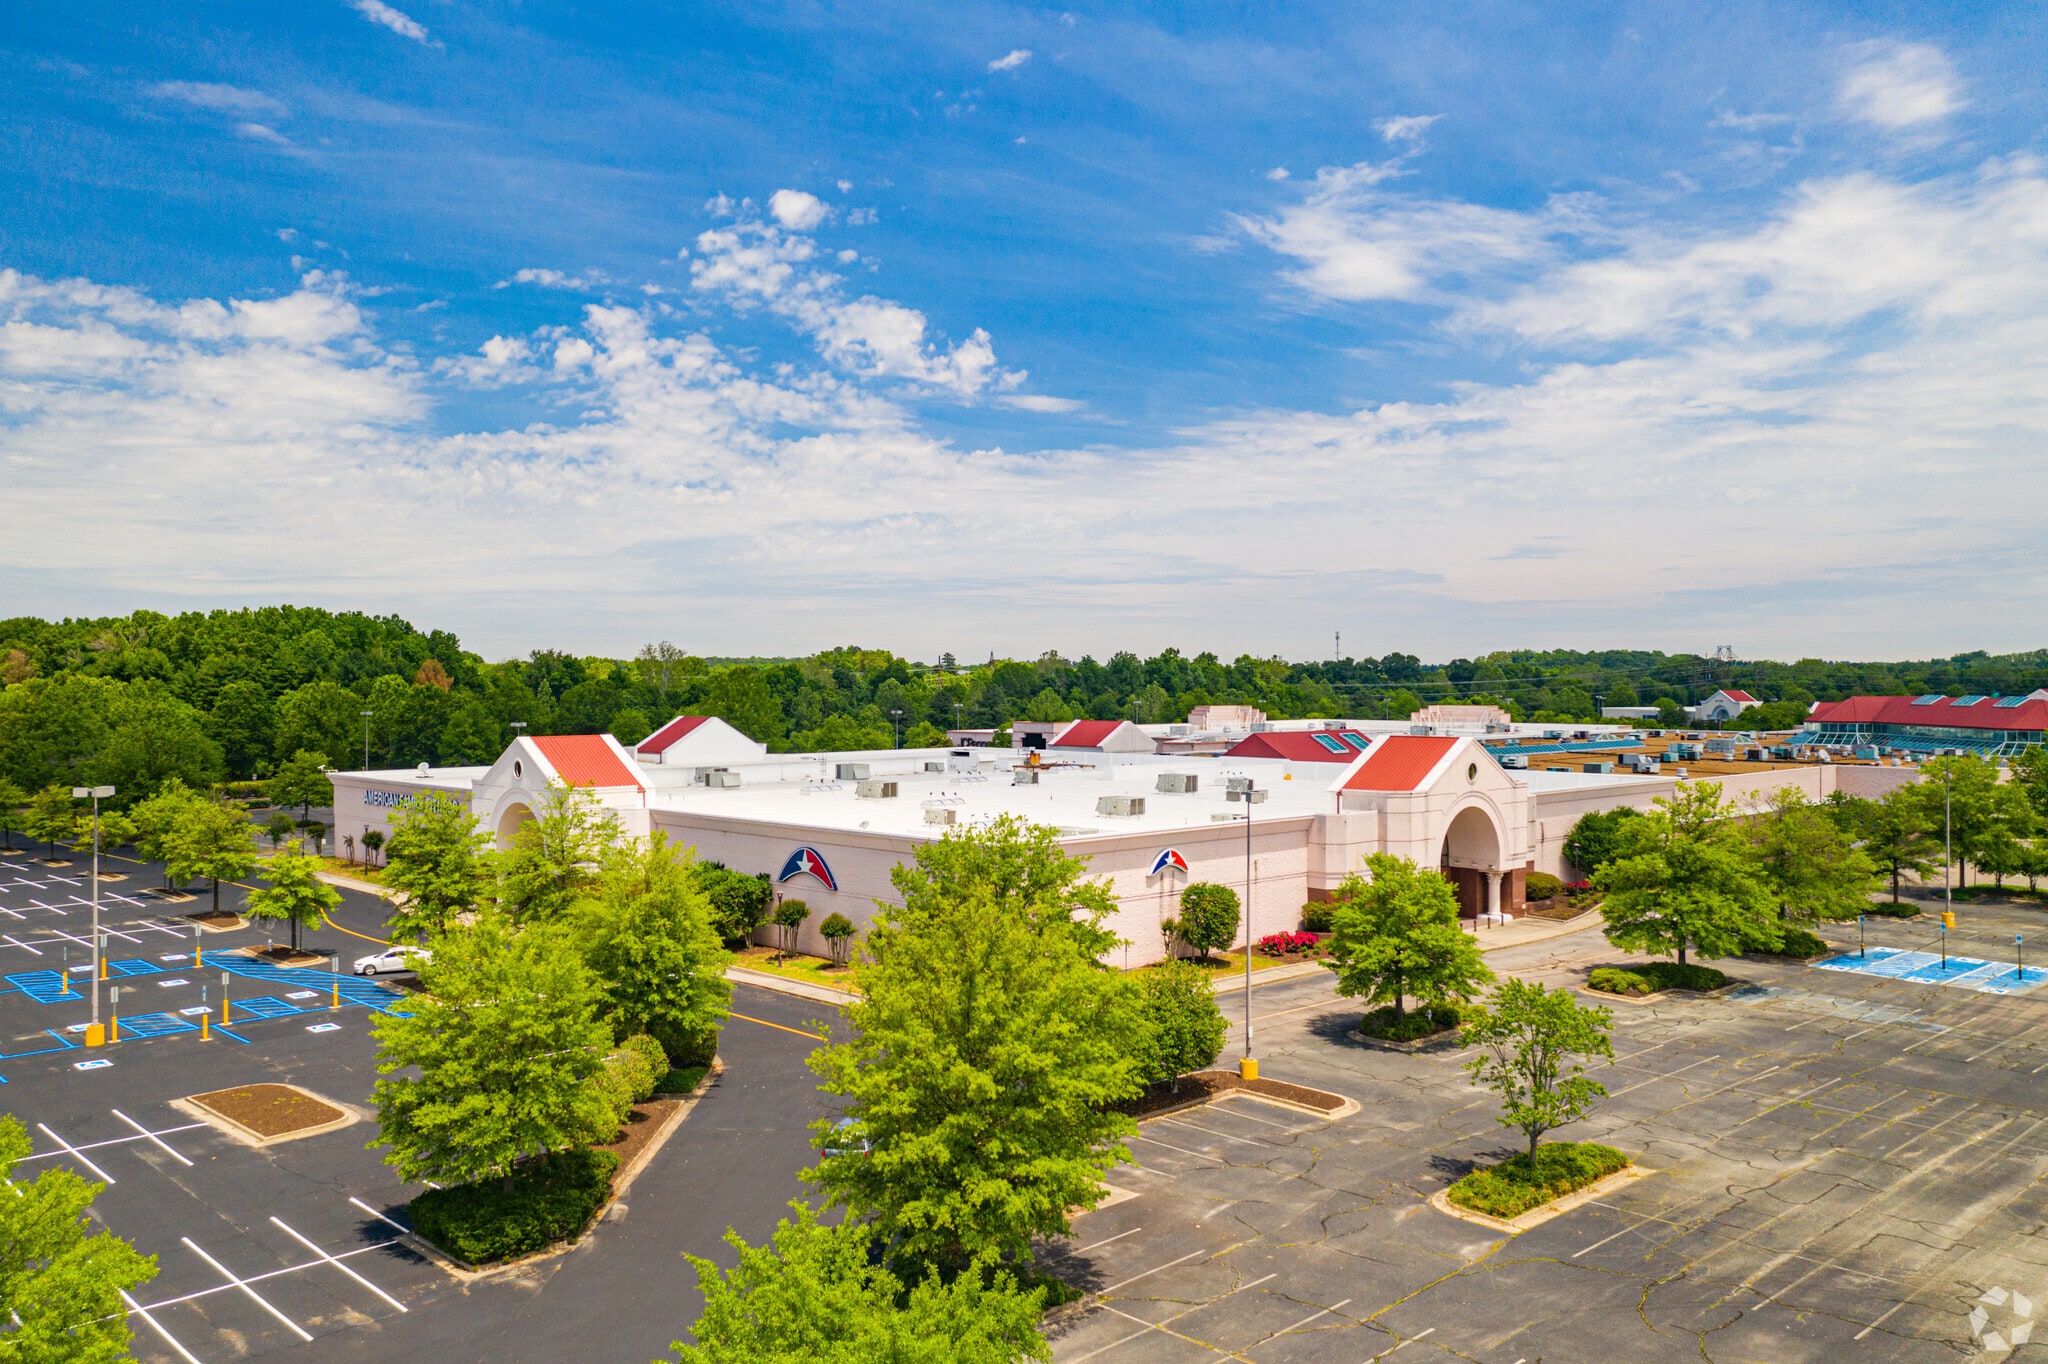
{"x":350,"y":883}
{"x":802,"y":989}
{"x":1529,"y":929}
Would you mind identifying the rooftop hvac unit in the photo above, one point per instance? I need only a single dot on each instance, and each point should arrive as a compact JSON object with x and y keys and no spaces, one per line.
{"x":942,"y":815}
{"x":721,"y":778}
{"x":1023,"y":776}
{"x":1254,"y":797}
{"x":1598,"y":767}
{"x":850,"y":771}
{"x":934,"y":767}
{"x":1120,"y":805}
{"x":1519,"y":762}
{"x":875,"y":790}
{"x":1179,"y":783}
{"x":1236,"y":785}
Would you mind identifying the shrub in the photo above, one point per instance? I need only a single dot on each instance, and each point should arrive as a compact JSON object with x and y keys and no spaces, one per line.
{"x":682,"y":1079}
{"x":1208,"y":916}
{"x":789,"y":917}
{"x":1797,"y":942}
{"x":1280,"y":944}
{"x":1318,"y":916}
{"x":1521,"y":1182}
{"x":739,"y":903}
{"x":838,"y":931}
{"x":1183,"y":1026}
{"x":1886,"y":910}
{"x":1541,"y":885}
{"x":652,"y":1057}
{"x":550,"y":1199}
{"x":1414,"y":1025}
{"x":1615,"y":980}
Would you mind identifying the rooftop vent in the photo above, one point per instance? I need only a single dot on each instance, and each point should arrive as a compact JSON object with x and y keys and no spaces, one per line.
{"x":1023,"y":776}
{"x":1179,"y":783}
{"x":942,"y":815}
{"x":1120,"y":805}
{"x":874,"y":789}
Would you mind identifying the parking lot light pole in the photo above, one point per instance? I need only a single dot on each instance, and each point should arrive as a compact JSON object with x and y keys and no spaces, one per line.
{"x":366,"y":714}
{"x":96,"y":794}
{"x":1247,"y":1066}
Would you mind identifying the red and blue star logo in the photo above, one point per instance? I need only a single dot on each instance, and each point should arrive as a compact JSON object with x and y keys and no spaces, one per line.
{"x":806,"y":862}
{"x":1169,"y":857}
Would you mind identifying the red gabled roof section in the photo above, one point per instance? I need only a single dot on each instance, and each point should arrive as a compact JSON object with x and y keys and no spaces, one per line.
{"x":664,"y":738}
{"x":1084,"y":734}
{"x":1744,"y":697}
{"x":1900,"y":710}
{"x":1295,"y":746}
{"x":1400,"y":762}
{"x":585,"y":760}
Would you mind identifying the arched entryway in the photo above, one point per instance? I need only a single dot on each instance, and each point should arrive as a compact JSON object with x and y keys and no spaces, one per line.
{"x":1472,"y":862}
{"x":509,"y":820}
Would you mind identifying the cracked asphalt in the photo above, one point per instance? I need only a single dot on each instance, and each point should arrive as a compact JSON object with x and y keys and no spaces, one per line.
{"x":1845,"y":1168}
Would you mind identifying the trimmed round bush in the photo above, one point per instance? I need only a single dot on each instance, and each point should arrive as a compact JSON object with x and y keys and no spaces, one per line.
{"x":551,"y":1199}
{"x":1319,"y":916}
{"x":1797,"y":942}
{"x":1426,"y":1021}
{"x":1541,"y":885}
{"x":1208,"y":916}
{"x":1613,"y":980}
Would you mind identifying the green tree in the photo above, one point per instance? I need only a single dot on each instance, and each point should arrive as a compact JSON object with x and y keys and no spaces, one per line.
{"x":1894,"y":837}
{"x":1534,"y":1036}
{"x":1965,"y":796}
{"x":295,"y":894}
{"x":12,"y":799}
{"x":789,"y":916}
{"x":436,"y":863}
{"x":740,"y":697}
{"x":373,"y":842}
{"x":51,"y":728}
{"x":155,"y":820}
{"x":211,"y":839}
{"x":838,"y":931}
{"x":986,"y":1050}
{"x":1397,"y":934}
{"x":323,"y":718}
{"x":506,"y":1039}
{"x":1810,"y":863}
{"x":739,"y":903}
{"x":243,"y":723}
{"x":555,"y":856}
{"x":61,"y":1285}
{"x":1596,"y":839}
{"x":2030,"y":774}
{"x":646,"y":934}
{"x":820,"y":1295}
{"x":1183,"y":1029}
{"x":278,"y":828}
{"x":1685,"y":880}
{"x":153,"y":737}
{"x":301,"y":780}
{"x":52,"y":817}
{"x":1208,"y":917}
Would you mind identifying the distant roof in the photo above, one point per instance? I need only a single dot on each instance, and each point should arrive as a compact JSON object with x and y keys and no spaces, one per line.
{"x":1948,"y":712}
{"x":1302,"y":745}
{"x":678,"y":728}
{"x":1085,"y":734}
{"x":1744,"y":697}
{"x":584,"y":760}
{"x":1400,"y":762}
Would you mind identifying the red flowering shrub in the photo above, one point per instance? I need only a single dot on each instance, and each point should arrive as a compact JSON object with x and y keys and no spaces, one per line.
{"x":1280,"y":944}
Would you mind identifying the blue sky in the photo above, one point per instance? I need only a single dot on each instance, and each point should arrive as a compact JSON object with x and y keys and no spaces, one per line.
{"x":983,"y":327}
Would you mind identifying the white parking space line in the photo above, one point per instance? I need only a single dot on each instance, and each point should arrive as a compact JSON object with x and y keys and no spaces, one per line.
{"x":40,"y":905}
{"x":1242,"y":1141}
{"x":1410,"y":1341}
{"x":1665,"y":1076}
{"x":1095,"y":1245}
{"x":152,"y":1137}
{"x":378,"y":1215}
{"x":1191,"y":1255}
{"x":158,"y":1327}
{"x":19,"y":943}
{"x":339,"y":1265}
{"x":254,"y":1296}
{"x":1323,"y":1312}
{"x":76,"y":1154}
{"x":113,"y":1141}
{"x":1154,"y":1141}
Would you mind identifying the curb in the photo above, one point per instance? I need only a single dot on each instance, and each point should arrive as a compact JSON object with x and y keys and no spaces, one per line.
{"x":350,"y":883}
{"x":1659,"y":996}
{"x":1537,"y":1216}
{"x":1272,"y":975}
{"x":1446,"y":1040}
{"x":818,"y":994}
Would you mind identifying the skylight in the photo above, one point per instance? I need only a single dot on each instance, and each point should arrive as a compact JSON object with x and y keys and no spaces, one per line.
{"x":1357,"y":741}
{"x":2009,"y":702}
{"x":1928,"y":699}
{"x":1970,"y":700}
{"x":1328,"y":741}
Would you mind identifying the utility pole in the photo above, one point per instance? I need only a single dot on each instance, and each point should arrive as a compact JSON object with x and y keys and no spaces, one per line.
{"x":366,"y":737}
{"x":93,"y":1035}
{"x":897,"y":716}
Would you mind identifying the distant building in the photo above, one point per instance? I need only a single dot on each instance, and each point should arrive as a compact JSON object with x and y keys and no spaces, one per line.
{"x":1481,"y":718}
{"x":1722,"y":705}
{"x":1102,"y":736}
{"x":1629,"y":712}
{"x":1302,"y":745}
{"x":1225,"y":717}
{"x":1920,"y":726}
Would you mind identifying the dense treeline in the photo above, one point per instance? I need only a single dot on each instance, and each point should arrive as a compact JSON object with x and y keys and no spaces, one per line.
{"x":131,"y":701}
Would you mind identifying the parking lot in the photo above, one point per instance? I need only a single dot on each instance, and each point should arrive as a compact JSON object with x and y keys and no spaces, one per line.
{"x":1845,"y":1167}
{"x":295,"y":1248}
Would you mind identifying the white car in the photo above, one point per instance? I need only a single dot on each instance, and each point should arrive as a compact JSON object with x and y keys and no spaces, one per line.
{"x":391,"y":959}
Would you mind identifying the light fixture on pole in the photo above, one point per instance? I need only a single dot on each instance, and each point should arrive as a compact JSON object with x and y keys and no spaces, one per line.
{"x":366,"y":714}
{"x":518,"y":728}
{"x":1247,"y":790}
{"x":897,"y":716}
{"x":93,"y":1035}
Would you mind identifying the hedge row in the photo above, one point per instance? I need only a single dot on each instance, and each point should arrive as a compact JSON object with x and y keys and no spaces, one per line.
{"x":551,"y":1199}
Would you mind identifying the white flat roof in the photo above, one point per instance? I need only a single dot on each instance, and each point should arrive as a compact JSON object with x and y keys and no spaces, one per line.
{"x":438,"y":778}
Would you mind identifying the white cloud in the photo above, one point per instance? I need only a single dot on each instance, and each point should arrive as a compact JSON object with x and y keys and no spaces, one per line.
{"x":1277,"y":173}
{"x":230,"y":99}
{"x":1015,"y":58}
{"x":1354,"y":240}
{"x":1039,"y":402}
{"x":377,"y":12}
{"x":1899,"y":85}
{"x":257,"y":132}
{"x":556,"y":279}
{"x":848,"y":256}
{"x":845,"y":186}
{"x":1407,"y":128}
{"x":1751,"y":123}
{"x":795,"y":209}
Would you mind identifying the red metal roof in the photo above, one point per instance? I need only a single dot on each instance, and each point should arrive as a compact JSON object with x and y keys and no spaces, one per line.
{"x":1744,"y":697}
{"x":1900,"y":710}
{"x":584,"y":760}
{"x":1085,"y":734}
{"x":1296,"y":745}
{"x":678,"y":728}
{"x":1400,"y":762}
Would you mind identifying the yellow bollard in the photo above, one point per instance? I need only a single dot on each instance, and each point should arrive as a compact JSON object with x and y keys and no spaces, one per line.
{"x":204,"y":1019}
{"x":95,"y":1035}
{"x":67,"y":984}
{"x":198,"y":956}
{"x":103,"y":968}
{"x":1248,"y":1068}
{"x":114,"y":1034}
{"x":337,"y":994}
{"x":223,"y":1013}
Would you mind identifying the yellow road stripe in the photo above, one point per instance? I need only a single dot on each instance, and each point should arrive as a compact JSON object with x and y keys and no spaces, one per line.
{"x":766,"y":1024}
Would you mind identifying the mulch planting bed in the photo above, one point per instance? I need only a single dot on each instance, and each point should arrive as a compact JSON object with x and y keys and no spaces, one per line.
{"x":176,"y":897}
{"x":209,"y":918}
{"x":1204,"y":1085}
{"x":281,"y":955}
{"x":648,"y":1116}
{"x":269,"y":1110}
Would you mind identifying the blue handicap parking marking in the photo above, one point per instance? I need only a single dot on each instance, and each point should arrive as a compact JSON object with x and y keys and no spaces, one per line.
{"x":156,"y":1025}
{"x":1851,"y":961}
{"x":133,"y":966}
{"x":1928,"y":968}
{"x":44,"y":987}
{"x":353,"y":989}
{"x":267,"y":1006}
{"x":91,"y":1065}
{"x":1950,"y":972}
